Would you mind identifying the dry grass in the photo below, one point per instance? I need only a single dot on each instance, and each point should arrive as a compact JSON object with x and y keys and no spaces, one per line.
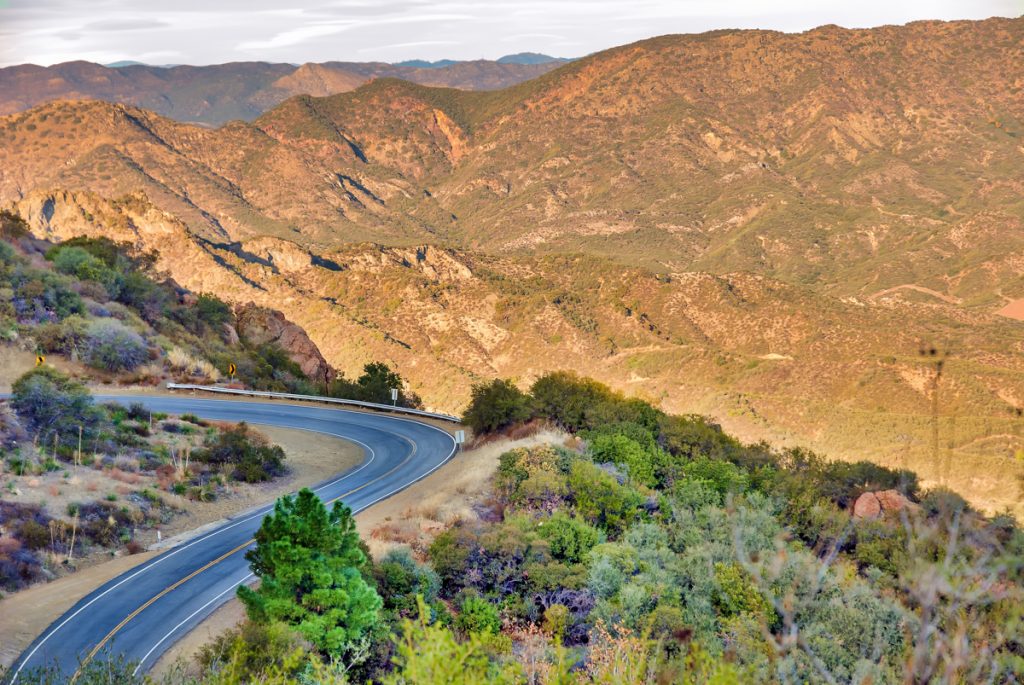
{"x":180,"y":361}
{"x":457,"y":492}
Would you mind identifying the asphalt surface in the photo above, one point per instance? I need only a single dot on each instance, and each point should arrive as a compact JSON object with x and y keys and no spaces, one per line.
{"x":144,"y":611}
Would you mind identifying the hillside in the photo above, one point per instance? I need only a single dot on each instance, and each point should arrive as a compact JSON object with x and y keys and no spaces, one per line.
{"x":218,"y":93}
{"x":765,"y":227}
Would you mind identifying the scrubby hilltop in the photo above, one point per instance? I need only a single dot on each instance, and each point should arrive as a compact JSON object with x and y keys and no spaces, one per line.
{"x":766,"y":227}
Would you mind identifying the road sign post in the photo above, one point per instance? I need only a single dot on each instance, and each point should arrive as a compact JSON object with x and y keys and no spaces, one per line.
{"x":231,"y":370}
{"x":394,"y":397}
{"x":40,"y":359}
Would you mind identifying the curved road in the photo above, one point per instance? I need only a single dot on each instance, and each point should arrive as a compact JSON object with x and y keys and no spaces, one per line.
{"x":142,"y":612}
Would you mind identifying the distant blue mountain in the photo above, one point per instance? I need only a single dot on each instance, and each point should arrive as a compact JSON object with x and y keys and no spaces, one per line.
{"x":424,"y":64}
{"x":529,"y":58}
{"x":518,"y":58}
{"x":130,"y":63}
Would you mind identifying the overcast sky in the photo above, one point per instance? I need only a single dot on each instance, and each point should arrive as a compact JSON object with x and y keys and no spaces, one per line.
{"x":213,"y":31}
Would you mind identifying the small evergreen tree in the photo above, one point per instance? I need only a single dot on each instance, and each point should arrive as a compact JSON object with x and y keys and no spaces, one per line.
{"x":309,"y":563}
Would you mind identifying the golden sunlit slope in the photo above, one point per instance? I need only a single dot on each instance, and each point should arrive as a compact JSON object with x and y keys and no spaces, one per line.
{"x":762,"y":226}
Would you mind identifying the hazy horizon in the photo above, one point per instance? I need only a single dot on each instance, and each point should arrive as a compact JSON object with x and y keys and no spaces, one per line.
{"x":48,"y":32}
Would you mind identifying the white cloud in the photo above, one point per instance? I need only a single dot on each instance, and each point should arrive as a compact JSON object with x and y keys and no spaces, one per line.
{"x":205,"y":32}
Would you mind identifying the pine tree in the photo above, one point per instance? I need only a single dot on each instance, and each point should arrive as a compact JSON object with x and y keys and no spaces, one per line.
{"x":309,"y":562}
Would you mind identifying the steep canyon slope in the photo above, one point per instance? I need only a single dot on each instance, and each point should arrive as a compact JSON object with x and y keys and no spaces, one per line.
{"x":766,"y":227}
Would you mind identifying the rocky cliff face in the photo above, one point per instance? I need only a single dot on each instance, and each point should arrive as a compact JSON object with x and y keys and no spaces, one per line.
{"x":259,"y":326}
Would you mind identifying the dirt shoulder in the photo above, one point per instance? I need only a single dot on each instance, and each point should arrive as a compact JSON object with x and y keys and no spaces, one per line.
{"x":311,"y":458}
{"x":412,"y":518}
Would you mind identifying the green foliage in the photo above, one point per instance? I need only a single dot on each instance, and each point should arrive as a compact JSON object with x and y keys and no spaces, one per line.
{"x":477,"y":615}
{"x":400,"y":580}
{"x":578,"y":404}
{"x":213,"y":311}
{"x":252,"y":652}
{"x":429,"y":654}
{"x":375,"y":385}
{"x":736,"y":593}
{"x":49,"y":403}
{"x":601,"y":500}
{"x":112,"y":346}
{"x":309,"y":563}
{"x":721,"y":476}
{"x":252,"y":458}
{"x":12,"y":226}
{"x":496,"y":405}
{"x":626,"y":452}
{"x":571,"y":537}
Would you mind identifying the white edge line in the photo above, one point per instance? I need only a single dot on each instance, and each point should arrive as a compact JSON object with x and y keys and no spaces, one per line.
{"x":173,"y":551}
{"x":189,"y":618}
{"x":247,"y":577}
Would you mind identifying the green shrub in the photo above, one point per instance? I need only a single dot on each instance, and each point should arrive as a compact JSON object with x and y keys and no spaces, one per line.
{"x":246,"y":653}
{"x":49,"y":403}
{"x":477,"y":615}
{"x":76,"y":261}
{"x":496,"y":405}
{"x":571,"y":537}
{"x":112,"y":346}
{"x":429,"y":654}
{"x":721,"y":476}
{"x":253,"y":458}
{"x":601,"y":500}
{"x":626,"y":452}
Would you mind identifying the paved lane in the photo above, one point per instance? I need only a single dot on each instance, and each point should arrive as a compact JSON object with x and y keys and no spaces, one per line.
{"x":145,"y":610}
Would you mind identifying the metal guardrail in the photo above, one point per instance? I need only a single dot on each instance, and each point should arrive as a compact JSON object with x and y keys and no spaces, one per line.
{"x":313,"y":398}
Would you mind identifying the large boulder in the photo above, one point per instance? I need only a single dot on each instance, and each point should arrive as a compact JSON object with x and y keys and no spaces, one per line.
{"x":259,"y":326}
{"x":872,"y":505}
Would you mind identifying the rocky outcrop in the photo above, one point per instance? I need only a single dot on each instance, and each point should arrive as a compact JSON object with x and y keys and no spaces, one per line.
{"x":259,"y":326}
{"x":873,"y":505}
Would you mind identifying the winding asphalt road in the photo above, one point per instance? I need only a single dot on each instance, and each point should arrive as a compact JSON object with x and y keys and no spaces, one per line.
{"x":142,"y":612}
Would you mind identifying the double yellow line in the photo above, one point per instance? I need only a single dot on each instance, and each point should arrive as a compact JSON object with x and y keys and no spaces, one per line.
{"x":170,"y":588}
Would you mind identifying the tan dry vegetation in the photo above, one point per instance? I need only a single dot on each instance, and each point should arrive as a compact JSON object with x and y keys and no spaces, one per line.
{"x":700,"y":220}
{"x":311,"y":458}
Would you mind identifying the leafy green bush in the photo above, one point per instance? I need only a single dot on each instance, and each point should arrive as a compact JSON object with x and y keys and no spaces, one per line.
{"x":477,"y":615}
{"x":50,"y":403}
{"x":496,"y":405}
{"x":375,"y":385}
{"x":601,"y":500}
{"x":570,"y":537}
{"x":626,"y":452}
{"x":429,"y":654}
{"x":112,"y":346}
{"x":721,"y":476}
{"x":254,"y":460}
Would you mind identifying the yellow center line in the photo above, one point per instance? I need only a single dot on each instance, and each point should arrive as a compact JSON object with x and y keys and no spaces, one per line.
{"x":216,"y":561}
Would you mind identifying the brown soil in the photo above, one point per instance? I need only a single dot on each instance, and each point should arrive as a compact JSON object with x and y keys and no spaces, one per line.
{"x":311,"y":458}
{"x":1013,"y":310}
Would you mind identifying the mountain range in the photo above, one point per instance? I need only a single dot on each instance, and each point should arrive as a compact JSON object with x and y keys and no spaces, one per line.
{"x":218,"y":93}
{"x":785,"y":231}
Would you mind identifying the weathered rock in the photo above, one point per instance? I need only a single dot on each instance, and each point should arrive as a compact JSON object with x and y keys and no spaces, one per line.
{"x":231,"y":335}
{"x":872,"y":505}
{"x":867,"y":506}
{"x":260,"y":326}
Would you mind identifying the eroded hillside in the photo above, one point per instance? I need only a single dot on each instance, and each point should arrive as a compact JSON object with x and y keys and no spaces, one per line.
{"x":765,"y":227}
